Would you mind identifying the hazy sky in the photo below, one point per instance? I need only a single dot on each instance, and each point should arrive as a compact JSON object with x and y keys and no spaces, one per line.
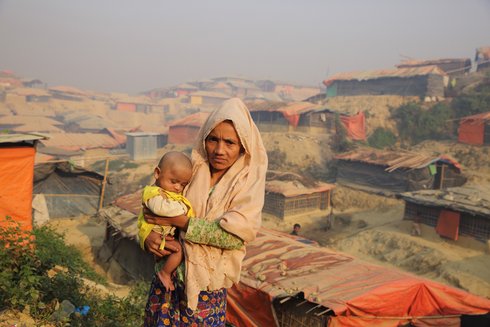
{"x":135,"y":45}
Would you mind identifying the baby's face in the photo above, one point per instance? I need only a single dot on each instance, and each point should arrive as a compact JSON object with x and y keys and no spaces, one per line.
{"x":174,"y":179}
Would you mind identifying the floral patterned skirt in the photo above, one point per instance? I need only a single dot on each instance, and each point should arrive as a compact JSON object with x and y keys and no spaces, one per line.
{"x":170,"y":308}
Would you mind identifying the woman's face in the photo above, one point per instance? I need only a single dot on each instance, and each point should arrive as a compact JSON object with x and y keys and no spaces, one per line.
{"x":223,"y":146}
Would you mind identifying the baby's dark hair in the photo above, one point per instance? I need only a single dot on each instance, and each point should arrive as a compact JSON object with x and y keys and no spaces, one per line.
{"x":169,"y":159}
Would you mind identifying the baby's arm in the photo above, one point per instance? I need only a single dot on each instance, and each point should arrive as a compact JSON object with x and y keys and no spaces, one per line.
{"x":162,"y":206}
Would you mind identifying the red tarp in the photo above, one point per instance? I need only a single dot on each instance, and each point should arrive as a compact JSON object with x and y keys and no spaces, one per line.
{"x":471,"y":132}
{"x":472,"y":128}
{"x":355,"y":126}
{"x":448,"y":224}
{"x":243,"y":300}
{"x":360,"y":294}
{"x":16,"y":183}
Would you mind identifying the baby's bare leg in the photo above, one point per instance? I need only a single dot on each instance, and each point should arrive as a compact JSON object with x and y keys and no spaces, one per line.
{"x":173,"y":261}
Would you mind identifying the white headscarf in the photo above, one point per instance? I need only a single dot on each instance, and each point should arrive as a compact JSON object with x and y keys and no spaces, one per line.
{"x":236,"y":201}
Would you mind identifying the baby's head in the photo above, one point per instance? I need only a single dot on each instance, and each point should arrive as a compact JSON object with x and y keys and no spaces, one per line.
{"x":173,"y":172}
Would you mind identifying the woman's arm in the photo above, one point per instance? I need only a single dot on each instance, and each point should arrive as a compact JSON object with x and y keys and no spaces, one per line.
{"x":210,"y":233}
{"x":197,"y":231}
{"x":180,"y":222}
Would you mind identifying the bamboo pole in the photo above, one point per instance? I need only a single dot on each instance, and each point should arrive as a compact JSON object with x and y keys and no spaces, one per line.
{"x":442,"y":176}
{"x":104,"y":182}
{"x":68,"y":195}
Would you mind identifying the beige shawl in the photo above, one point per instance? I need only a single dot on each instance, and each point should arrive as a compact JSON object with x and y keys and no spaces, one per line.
{"x":236,"y":202}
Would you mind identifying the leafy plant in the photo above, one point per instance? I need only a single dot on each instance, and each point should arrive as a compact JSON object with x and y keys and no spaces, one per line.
{"x":29,"y":280}
{"x":382,"y":138}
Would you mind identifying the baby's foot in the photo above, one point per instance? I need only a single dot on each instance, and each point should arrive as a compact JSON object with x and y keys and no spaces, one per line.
{"x":166,"y":280}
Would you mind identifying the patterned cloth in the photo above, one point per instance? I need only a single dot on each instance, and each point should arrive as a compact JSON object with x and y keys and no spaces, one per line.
{"x":170,"y":308}
{"x":202,"y":231}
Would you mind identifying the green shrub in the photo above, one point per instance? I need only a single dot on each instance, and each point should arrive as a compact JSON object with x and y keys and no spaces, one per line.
{"x":276,"y":159}
{"x":416,"y":124}
{"x":382,"y":138}
{"x":27,"y":281}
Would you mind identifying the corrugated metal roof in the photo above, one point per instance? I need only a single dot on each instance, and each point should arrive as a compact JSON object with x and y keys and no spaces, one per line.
{"x":17,"y":137}
{"x":77,"y":141}
{"x":196,"y":120}
{"x":394,"y":160}
{"x":375,"y":74}
{"x":474,"y":200}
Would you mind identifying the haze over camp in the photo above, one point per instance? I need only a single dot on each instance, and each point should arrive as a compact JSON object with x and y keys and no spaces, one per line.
{"x":340,"y":168}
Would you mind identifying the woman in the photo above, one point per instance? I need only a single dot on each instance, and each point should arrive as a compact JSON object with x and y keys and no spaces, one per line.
{"x":227,"y":193}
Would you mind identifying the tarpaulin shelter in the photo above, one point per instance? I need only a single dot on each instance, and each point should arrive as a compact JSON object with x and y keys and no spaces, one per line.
{"x":397,"y":171}
{"x":185,"y":130}
{"x":120,"y":253}
{"x":458,"y":210}
{"x":475,"y":129}
{"x":288,"y":194}
{"x":338,"y":290}
{"x":68,"y":190}
{"x":427,"y":81}
{"x":355,"y":126}
{"x":304,"y":117}
{"x":17,"y":153}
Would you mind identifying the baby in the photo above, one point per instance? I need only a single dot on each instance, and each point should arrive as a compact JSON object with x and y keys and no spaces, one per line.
{"x":165,"y":198}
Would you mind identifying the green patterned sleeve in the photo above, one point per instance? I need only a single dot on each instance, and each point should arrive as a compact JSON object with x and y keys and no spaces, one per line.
{"x":210,"y":233}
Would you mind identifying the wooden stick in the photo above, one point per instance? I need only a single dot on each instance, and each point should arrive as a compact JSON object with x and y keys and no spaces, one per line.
{"x":71,"y":195}
{"x":441,"y":183}
{"x":103,"y":184}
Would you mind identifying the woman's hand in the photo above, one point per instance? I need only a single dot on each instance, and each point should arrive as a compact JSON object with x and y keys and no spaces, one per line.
{"x":153,"y":241}
{"x":181,"y":222}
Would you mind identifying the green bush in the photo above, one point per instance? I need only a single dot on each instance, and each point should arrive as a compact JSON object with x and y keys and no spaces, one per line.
{"x":473,"y":102}
{"x":276,"y":159}
{"x":27,"y":280}
{"x":416,"y":124}
{"x":382,"y":138}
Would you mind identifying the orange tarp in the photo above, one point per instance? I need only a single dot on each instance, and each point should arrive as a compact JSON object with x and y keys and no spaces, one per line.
{"x":448,"y":224}
{"x":357,"y":292}
{"x":16,"y":184}
{"x":393,"y":322}
{"x":355,"y":126}
{"x":471,"y":132}
{"x":242,"y":300}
